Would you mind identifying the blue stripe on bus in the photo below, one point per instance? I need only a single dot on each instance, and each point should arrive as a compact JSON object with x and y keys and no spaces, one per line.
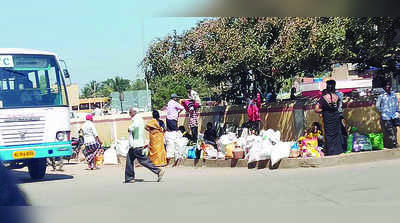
{"x":42,"y":150}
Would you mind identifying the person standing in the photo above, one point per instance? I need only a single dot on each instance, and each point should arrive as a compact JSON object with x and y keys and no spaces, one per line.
{"x":331,"y":86}
{"x":193,"y":119}
{"x":173,"y":110}
{"x":193,"y":108}
{"x":92,"y":141}
{"x":136,"y":146}
{"x":157,"y":152}
{"x":387,"y":104}
{"x":193,"y":95}
{"x":328,"y":106}
{"x":253,"y":112}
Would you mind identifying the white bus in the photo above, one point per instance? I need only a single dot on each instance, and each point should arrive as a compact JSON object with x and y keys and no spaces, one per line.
{"x":34,"y":111}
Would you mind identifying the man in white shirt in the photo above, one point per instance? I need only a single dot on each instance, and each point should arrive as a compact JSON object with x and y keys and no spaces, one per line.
{"x":136,"y":146}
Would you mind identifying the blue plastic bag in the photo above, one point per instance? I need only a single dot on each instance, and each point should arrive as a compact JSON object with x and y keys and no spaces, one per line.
{"x":192,"y":153}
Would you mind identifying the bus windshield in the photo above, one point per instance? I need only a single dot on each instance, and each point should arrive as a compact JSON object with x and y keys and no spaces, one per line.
{"x":31,"y":81}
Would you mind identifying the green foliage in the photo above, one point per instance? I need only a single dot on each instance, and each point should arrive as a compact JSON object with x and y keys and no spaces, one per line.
{"x":116,"y":84}
{"x":91,"y":90}
{"x":163,"y":87}
{"x":240,"y":55}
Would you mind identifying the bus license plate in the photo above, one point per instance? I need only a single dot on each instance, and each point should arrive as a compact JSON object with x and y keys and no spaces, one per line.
{"x":23,"y":154}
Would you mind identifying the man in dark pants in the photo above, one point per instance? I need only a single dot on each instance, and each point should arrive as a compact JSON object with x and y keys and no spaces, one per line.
{"x":137,"y":144}
{"x":387,"y":104}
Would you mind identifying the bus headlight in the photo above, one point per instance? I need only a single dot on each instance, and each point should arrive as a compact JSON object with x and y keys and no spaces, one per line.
{"x":60,"y":136}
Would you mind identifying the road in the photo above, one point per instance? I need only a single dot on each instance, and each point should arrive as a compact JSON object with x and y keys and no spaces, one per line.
{"x":362,"y":193}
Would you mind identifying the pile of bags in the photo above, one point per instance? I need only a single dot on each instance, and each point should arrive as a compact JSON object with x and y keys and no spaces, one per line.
{"x":358,"y":143}
{"x":265,"y":146}
{"x":176,"y":145}
{"x":306,"y":147}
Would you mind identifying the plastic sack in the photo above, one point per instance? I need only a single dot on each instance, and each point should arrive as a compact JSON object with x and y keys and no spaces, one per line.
{"x":228,"y":151}
{"x":180,"y":147}
{"x":260,"y":150}
{"x":280,"y":151}
{"x":361,"y":143}
{"x":210,"y":152}
{"x":192,"y":153}
{"x":220,"y":155}
{"x":122,"y":147}
{"x":99,"y":159}
{"x":171,"y":139}
{"x":110,"y":157}
{"x":273,"y":136}
{"x":226,"y":140}
{"x":294,"y":151}
{"x":376,"y":140}
{"x":349,"y":144}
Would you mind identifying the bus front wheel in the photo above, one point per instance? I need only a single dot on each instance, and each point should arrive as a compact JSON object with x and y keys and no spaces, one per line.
{"x":37,"y":168}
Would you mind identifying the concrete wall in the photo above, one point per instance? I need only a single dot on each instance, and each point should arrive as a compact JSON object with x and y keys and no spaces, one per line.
{"x":290,"y":118}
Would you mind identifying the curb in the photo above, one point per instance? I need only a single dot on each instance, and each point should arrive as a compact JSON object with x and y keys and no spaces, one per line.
{"x":344,"y":159}
{"x":291,"y":163}
{"x":215,"y":163}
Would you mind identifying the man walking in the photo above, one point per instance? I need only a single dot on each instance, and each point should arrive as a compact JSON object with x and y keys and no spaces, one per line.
{"x":387,"y":104}
{"x":136,"y":145}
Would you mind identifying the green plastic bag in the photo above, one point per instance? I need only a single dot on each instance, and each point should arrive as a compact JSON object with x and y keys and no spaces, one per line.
{"x":349,"y":143}
{"x":376,"y":140}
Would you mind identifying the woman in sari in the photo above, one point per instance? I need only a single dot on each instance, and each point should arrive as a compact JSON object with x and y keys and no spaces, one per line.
{"x":156,"y":129}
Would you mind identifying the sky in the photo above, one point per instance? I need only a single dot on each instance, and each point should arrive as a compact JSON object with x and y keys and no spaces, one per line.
{"x":97,"y":40}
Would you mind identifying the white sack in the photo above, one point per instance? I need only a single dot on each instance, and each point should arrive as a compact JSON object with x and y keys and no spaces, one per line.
{"x":280,"y":151}
{"x":180,"y":147}
{"x":211,"y":153}
{"x":171,"y":139}
{"x":257,"y":151}
{"x":110,"y":156}
{"x":122,"y":147}
{"x":220,"y":155}
{"x":226,"y":140}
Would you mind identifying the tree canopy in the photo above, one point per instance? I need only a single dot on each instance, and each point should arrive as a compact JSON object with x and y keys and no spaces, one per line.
{"x":232,"y":56}
{"x":116,"y":84}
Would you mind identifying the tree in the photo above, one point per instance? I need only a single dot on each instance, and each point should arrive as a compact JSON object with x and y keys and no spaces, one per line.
{"x":236,"y":56}
{"x":91,"y":90}
{"x":139,"y":84}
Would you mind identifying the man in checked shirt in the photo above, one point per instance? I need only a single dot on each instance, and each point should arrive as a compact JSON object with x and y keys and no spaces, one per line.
{"x":387,"y":104}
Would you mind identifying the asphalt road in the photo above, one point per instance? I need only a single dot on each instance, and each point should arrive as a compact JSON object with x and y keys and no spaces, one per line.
{"x":358,"y":193}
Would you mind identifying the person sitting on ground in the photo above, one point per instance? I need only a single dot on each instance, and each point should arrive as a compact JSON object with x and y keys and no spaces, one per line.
{"x":185,"y":133}
{"x":317,"y":129}
{"x":292,"y":93}
{"x":210,"y":135}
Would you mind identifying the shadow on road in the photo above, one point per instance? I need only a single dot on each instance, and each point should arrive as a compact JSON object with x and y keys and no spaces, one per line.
{"x":23,"y":177}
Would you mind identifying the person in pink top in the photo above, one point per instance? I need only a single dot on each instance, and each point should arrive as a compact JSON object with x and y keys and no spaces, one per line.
{"x":253,"y":112}
{"x":173,"y":110}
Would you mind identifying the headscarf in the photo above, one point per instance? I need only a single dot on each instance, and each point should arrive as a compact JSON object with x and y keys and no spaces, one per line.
{"x":89,"y":117}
